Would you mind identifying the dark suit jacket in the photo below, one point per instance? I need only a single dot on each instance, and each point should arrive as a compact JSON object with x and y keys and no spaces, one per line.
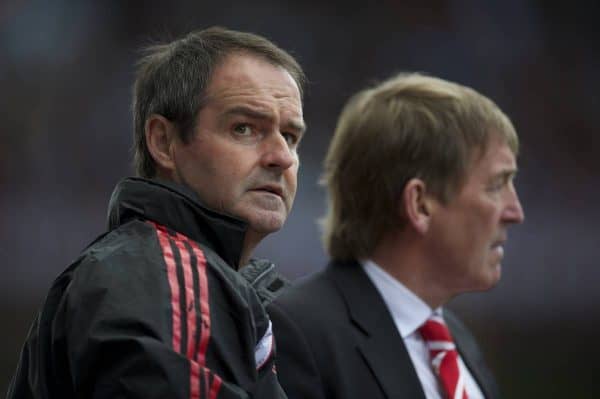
{"x":336,"y":339}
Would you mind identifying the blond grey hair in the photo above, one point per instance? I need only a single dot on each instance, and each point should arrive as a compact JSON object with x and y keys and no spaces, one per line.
{"x":409,"y":126}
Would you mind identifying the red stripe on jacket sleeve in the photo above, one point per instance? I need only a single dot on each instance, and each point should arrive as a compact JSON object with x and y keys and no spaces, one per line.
{"x":190,"y":309}
{"x":163,"y":239}
{"x":194,"y":380}
{"x":196,"y":368}
{"x":206,"y":322}
{"x":204,"y":303}
{"x":215,"y":387}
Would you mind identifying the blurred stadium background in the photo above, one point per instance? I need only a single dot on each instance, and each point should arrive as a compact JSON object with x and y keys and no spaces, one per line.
{"x":66,"y":68}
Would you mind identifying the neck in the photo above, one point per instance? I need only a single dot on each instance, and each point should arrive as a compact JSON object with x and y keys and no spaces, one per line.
{"x":403,"y":256}
{"x":251,"y":241}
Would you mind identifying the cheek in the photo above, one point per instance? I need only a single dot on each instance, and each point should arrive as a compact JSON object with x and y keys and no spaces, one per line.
{"x":291,"y":174}
{"x":484,"y":231}
{"x":216,"y":172}
{"x":483,"y":217}
{"x":491,"y":219}
{"x":232,"y":165}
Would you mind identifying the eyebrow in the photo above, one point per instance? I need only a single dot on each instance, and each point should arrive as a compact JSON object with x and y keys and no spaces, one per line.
{"x":294,"y":124}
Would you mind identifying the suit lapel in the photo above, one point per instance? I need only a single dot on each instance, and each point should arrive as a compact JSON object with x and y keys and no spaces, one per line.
{"x":471,"y":356}
{"x":379,"y":342}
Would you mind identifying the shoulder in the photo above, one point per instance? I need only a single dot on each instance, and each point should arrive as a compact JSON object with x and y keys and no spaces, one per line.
{"x":309,"y":291}
{"x":121,"y":273}
{"x":129,"y":255}
{"x":144,"y":272}
{"x":139,"y":252}
{"x":326,"y":289}
{"x":145,"y":264}
{"x":311,"y":302}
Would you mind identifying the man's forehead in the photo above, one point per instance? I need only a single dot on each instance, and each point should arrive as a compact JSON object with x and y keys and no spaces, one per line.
{"x":497,"y":147}
{"x":247,"y":74}
{"x":497,"y":158}
{"x":239,"y":100}
{"x":256,"y":96}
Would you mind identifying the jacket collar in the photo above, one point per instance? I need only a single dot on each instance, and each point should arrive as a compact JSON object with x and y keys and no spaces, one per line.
{"x":178,"y":208}
{"x":382,"y":346}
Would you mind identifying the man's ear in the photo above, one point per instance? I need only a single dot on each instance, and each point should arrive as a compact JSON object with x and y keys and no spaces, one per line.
{"x":417,"y":205}
{"x":160,"y":138}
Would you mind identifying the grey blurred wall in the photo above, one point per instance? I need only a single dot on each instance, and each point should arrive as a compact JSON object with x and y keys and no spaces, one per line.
{"x":66,"y":69}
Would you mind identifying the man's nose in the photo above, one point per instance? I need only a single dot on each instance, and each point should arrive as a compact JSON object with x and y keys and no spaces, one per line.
{"x":277,"y":153}
{"x":513,"y":213}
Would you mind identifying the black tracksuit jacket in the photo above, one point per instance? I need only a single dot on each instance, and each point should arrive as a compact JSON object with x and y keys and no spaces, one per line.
{"x":152,"y":309}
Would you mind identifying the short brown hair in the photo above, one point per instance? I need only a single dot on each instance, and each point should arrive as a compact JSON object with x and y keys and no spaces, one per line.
{"x":411,"y":125}
{"x":171,"y":80}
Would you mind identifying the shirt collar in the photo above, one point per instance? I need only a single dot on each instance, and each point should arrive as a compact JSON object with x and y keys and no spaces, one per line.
{"x":408,"y":310}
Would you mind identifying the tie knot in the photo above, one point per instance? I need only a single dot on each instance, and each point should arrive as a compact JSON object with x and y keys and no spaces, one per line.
{"x":434,"y":329}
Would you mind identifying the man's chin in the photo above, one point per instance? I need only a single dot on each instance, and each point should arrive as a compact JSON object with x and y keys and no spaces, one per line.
{"x":266,"y":222}
{"x":265,"y":228}
{"x":493,"y":278}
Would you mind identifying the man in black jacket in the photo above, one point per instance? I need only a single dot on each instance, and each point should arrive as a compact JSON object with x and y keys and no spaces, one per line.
{"x":155,"y":308}
{"x":419,"y":176}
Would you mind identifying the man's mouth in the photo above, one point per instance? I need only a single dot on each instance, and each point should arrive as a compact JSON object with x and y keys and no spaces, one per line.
{"x":270,"y":188}
{"x":498,"y":249}
{"x":498,"y":246}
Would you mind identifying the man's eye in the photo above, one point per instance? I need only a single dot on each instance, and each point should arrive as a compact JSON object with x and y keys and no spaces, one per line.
{"x":498,"y":184}
{"x":242,"y":129}
{"x":290,"y":138}
{"x":495,"y":187}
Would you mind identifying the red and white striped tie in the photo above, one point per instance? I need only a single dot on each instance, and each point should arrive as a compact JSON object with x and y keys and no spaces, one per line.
{"x":444,"y":357}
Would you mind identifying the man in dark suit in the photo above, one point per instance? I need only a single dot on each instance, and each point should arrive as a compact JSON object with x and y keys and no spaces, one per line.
{"x":420,"y":186}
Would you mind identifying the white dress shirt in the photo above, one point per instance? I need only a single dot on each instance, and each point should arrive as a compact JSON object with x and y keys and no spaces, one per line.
{"x":409,"y":313}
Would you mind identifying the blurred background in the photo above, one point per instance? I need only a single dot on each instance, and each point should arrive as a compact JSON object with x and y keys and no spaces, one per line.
{"x":66,"y":69}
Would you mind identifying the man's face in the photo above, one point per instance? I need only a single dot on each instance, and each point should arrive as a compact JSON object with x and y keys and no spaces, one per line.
{"x":242,"y":159}
{"x":468,"y":233}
